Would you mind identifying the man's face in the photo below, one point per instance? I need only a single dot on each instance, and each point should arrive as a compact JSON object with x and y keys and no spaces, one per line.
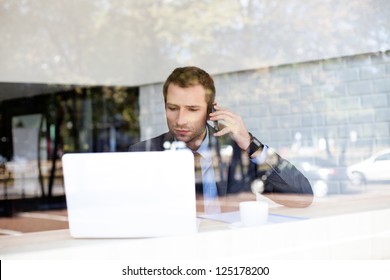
{"x":186,"y":111}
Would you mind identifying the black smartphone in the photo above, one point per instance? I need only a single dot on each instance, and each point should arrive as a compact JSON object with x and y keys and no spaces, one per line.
{"x":216,"y":127}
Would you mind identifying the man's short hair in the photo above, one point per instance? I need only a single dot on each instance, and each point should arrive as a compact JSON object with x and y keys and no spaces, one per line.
{"x":191,"y":76}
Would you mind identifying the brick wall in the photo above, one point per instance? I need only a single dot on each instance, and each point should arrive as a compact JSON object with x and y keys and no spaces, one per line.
{"x":337,"y":107}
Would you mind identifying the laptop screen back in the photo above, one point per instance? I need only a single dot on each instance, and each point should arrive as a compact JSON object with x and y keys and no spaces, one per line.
{"x":138,"y":194}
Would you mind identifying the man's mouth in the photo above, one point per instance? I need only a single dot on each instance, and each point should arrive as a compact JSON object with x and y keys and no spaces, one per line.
{"x":182,"y":131}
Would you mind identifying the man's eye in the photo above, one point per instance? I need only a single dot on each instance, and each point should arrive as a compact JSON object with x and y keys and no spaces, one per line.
{"x":194,"y":109}
{"x":172,"y":108}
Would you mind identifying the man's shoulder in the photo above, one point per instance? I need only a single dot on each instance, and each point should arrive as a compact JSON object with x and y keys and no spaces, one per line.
{"x":152,"y":144}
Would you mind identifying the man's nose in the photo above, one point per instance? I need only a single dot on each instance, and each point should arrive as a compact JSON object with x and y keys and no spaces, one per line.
{"x":181,"y":118}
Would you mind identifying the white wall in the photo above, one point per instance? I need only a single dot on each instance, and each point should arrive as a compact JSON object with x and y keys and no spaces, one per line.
{"x":139,"y":42}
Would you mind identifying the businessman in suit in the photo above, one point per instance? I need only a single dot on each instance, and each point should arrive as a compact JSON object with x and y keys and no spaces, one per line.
{"x":189,"y":96}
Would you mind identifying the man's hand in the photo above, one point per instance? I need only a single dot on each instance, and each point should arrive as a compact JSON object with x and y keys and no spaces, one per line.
{"x":232,"y":124}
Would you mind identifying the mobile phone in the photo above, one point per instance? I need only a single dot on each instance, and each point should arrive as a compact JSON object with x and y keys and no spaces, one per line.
{"x":215,"y":122}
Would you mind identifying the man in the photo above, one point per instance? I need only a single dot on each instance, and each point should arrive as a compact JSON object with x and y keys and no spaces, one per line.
{"x":189,"y":96}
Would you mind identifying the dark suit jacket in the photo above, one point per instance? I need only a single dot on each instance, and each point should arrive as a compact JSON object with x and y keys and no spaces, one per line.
{"x":236,"y":175}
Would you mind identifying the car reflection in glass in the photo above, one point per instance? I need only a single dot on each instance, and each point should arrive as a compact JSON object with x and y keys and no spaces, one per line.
{"x":373,"y":169}
{"x":325,"y":176}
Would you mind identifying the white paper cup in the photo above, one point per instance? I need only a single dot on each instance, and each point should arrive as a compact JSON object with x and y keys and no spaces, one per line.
{"x":253,"y":213}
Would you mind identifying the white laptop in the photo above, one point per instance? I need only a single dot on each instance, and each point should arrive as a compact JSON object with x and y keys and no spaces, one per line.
{"x":134,"y":194}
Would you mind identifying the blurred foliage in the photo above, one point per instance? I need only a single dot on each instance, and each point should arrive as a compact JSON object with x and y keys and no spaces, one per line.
{"x":66,"y":40}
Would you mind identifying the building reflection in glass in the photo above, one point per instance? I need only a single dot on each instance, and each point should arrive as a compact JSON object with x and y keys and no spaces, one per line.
{"x":50,"y":120}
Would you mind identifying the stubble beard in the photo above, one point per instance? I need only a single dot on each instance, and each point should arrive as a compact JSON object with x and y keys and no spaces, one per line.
{"x":192,"y":141}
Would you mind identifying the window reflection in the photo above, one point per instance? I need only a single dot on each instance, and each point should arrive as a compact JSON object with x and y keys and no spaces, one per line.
{"x":375,"y":169}
{"x":36,"y":131}
{"x":335,"y":130}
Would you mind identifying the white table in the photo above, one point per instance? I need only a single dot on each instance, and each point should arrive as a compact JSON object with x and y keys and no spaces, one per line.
{"x":355,"y":228}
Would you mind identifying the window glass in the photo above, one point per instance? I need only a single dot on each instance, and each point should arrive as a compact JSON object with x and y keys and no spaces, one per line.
{"x":36,"y":131}
{"x":309,"y":79}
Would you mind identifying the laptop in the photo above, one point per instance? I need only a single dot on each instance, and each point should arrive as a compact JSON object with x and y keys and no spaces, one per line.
{"x":130,"y":194}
